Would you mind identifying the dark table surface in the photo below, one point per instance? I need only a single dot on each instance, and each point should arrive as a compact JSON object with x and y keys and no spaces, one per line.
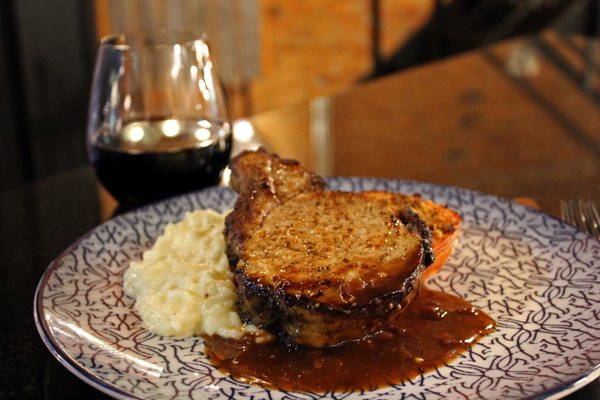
{"x":519,"y":118}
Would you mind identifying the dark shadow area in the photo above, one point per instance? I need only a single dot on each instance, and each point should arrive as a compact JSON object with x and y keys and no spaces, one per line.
{"x":46,"y":62}
{"x":462,"y":25}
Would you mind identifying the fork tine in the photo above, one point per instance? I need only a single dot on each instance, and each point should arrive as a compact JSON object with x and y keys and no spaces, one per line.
{"x":574,"y":215}
{"x":596,"y":219}
{"x":581,"y":216}
{"x":566,"y":212}
{"x":592,"y":217}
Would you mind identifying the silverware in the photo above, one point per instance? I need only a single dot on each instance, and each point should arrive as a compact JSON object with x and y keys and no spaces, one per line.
{"x":582,"y":214}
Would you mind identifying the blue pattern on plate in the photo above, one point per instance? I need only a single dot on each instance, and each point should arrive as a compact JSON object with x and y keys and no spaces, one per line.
{"x":537,"y":276}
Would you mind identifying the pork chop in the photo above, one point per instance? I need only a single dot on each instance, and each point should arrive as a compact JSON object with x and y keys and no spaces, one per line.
{"x":319,"y":267}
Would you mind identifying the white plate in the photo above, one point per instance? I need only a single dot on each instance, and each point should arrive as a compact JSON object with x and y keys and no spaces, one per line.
{"x":536,"y":276}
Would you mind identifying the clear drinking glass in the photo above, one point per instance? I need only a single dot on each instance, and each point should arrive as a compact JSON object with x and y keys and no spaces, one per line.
{"x":158,"y":121}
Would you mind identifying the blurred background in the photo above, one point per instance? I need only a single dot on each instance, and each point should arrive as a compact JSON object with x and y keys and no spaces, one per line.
{"x":271,"y":53}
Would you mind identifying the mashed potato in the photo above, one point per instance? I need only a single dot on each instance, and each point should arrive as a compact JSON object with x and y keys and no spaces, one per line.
{"x":183,"y":285}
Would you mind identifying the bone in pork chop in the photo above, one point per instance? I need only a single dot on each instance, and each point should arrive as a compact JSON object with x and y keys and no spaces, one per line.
{"x":319,"y":267}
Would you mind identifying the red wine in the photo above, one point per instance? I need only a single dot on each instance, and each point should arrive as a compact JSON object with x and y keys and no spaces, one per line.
{"x":151,"y":160}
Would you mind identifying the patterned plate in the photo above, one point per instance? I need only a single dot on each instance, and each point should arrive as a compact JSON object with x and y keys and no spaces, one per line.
{"x":538,"y":277}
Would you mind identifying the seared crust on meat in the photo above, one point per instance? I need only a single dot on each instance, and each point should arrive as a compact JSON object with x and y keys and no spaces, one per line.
{"x":263,"y":181}
{"x":322,"y":267}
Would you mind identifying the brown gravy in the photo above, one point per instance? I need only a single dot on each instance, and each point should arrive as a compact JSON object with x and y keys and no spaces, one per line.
{"x":434,"y":329}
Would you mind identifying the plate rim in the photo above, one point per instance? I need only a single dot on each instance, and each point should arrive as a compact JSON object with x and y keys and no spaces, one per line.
{"x":50,"y":341}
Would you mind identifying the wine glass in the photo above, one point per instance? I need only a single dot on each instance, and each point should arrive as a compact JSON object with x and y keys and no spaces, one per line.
{"x":158,"y":122}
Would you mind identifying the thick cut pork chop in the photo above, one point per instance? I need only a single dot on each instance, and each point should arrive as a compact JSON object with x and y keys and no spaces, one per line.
{"x":319,"y":267}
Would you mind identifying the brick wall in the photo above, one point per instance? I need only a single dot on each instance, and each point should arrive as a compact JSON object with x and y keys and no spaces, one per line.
{"x":311,"y":48}
{"x":304,"y":48}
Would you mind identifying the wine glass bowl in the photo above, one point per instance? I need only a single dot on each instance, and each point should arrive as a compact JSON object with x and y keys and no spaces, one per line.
{"x":158,"y":122}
